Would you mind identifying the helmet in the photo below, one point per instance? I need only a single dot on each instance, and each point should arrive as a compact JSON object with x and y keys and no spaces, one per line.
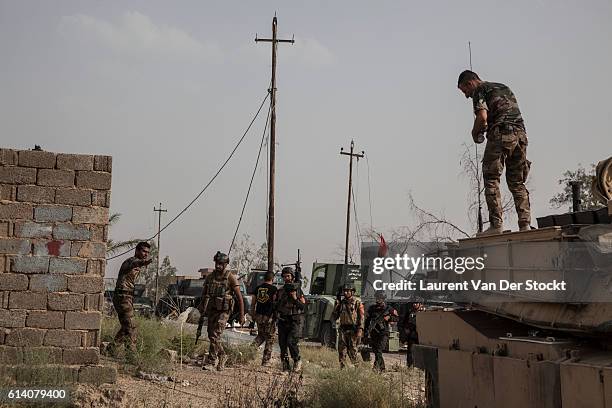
{"x":221,"y":257}
{"x":288,"y":269}
{"x":348,"y":286}
{"x":380,"y":295}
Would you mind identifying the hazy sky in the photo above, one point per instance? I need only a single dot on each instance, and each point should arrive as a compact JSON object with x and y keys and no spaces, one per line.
{"x":167,"y":88}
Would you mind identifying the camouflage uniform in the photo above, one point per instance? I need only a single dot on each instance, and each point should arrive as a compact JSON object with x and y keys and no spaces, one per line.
{"x":264,"y":317}
{"x":350,"y":312}
{"x":290,"y":321}
{"x":506,"y":145}
{"x":123,"y":299}
{"x":218,"y":289}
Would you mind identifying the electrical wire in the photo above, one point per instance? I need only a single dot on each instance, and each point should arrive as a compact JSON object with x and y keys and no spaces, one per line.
{"x":369,"y":193}
{"x":208,"y":184}
{"x":246,"y":199}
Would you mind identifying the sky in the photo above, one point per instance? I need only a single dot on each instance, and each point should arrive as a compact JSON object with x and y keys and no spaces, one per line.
{"x":167,"y":89}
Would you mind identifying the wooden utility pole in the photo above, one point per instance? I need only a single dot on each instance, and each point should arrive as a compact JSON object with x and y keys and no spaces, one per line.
{"x":350,"y":189}
{"x":159,"y":212}
{"x":272,"y":142}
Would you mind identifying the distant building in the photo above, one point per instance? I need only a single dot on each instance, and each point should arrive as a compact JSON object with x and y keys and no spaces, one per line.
{"x":204,"y":272}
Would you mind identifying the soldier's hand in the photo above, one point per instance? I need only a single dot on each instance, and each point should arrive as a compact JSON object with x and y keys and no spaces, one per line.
{"x":293,"y":295}
{"x":360,"y":332}
{"x":242,"y":320}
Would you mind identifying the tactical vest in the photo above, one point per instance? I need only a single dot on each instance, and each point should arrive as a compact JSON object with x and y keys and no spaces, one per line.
{"x":349,"y":312}
{"x":218,"y":292}
{"x":286,"y":305}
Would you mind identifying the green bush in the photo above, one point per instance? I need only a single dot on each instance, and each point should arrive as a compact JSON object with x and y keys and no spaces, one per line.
{"x":239,"y":353}
{"x":359,"y":387}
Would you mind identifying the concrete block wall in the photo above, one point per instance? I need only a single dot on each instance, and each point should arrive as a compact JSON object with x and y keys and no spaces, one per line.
{"x":54,"y":211}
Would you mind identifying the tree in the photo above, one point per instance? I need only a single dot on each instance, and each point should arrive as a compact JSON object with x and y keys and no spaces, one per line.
{"x":246,"y":255}
{"x":167,"y":273}
{"x":585,"y":178}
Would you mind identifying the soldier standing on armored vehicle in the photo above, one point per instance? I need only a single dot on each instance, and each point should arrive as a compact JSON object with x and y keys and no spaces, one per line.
{"x":123,"y":297}
{"x":377,"y":328}
{"x":217,"y":303}
{"x":262,"y":310}
{"x":497,"y":112}
{"x":290,"y":305}
{"x":350,"y":311}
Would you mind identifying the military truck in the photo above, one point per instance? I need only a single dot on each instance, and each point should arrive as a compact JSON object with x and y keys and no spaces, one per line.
{"x":188,"y":293}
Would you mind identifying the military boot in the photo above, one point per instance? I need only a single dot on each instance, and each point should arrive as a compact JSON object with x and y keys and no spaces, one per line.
{"x":492,"y":230}
{"x":222,"y":361}
{"x":297,"y":366}
{"x":209,"y":363}
{"x":286,"y":365}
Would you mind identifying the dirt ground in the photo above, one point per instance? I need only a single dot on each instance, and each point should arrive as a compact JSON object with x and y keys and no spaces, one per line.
{"x":193,"y":387}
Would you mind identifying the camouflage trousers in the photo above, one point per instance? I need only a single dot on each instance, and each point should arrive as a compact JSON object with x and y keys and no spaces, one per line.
{"x":266,"y":333}
{"x":347,"y":344}
{"x":215,"y":326}
{"x":509,"y":150}
{"x":124,"y":307}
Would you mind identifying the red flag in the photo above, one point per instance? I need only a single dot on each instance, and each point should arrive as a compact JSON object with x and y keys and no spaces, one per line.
{"x":382,"y":248}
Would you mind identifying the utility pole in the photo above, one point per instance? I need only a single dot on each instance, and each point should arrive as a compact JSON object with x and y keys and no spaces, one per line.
{"x":350,"y":189}
{"x":159,"y":212}
{"x":272,"y":143}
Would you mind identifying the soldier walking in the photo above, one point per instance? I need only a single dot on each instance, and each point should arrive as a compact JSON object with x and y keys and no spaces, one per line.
{"x":217,"y":304}
{"x":262,"y":310}
{"x":408,"y":326}
{"x":497,"y":112}
{"x":290,"y":305}
{"x":123,"y":297}
{"x":349,"y":310}
{"x":377,"y":325}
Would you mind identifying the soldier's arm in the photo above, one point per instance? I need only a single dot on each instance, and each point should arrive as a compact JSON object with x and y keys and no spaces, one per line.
{"x":360,"y":316}
{"x":336,"y":311}
{"x":233,"y":283}
{"x":480,"y":123}
{"x":253,"y":304}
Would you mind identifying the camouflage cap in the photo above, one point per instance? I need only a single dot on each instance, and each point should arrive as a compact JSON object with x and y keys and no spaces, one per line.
{"x":289,"y":270}
{"x":348,"y":286}
{"x":380,"y":295}
{"x":220,"y":257}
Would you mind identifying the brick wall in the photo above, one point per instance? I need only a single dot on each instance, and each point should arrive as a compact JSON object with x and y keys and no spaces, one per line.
{"x":53,"y":232}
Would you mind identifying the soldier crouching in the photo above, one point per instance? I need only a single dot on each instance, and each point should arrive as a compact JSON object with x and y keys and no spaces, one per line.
{"x":217,"y":303}
{"x":350,"y":312}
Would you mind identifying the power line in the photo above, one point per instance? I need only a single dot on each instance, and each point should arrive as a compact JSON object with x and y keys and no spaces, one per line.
{"x":208,"y":184}
{"x":246,"y":199}
{"x":369,"y":193}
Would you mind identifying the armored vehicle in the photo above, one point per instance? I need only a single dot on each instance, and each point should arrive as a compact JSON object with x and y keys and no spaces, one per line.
{"x":542,"y":344}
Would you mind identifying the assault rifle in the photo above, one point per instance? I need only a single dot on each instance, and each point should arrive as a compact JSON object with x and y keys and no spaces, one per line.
{"x":204,"y":304}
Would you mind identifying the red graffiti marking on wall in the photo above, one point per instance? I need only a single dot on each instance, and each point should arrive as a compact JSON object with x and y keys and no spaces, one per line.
{"x":53,"y":247}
